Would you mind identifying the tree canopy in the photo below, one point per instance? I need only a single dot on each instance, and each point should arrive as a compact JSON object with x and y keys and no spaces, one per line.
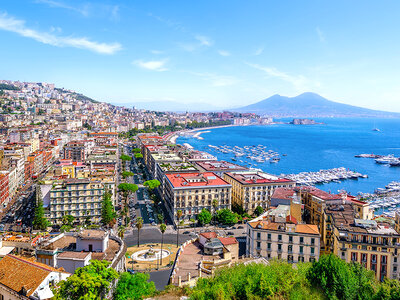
{"x":258,"y":211}
{"x":88,"y":283}
{"x":136,"y":150}
{"x":226,"y":217}
{"x":125,"y":157}
{"x":108,"y":214}
{"x":204,"y":217}
{"x":134,"y":287}
{"x":39,"y":221}
{"x":127,"y":187}
{"x":126,"y":174}
{"x":152,"y":184}
{"x":138,"y":155}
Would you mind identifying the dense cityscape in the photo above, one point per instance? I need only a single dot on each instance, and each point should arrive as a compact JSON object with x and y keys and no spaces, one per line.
{"x":93,"y":192}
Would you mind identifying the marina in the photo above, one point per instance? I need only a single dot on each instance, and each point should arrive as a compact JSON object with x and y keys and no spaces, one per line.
{"x":255,"y":153}
{"x":324,"y":176}
{"x":390,"y":159}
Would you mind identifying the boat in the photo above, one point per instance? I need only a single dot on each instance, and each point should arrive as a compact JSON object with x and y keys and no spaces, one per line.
{"x":376,"y":129}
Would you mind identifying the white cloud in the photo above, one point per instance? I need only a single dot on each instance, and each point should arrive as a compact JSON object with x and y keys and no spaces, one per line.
{"x":217,"y":80}
{"x":224,"y":53}
{"x":300,"y":82}
{"x":84,"y":10}
{"x":157,"y":52}
{"x":259,"y":51}
{"x":11,"y":24}
{"x":154,"y":65}
{"x":204,"y":41}
{"x":320,"y":34}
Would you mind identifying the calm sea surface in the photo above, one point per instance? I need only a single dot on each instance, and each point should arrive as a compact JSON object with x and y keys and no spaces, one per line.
{"x":316,"y":147}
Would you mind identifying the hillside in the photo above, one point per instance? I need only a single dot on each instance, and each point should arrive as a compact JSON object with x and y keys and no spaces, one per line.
{"x":310,"y":105}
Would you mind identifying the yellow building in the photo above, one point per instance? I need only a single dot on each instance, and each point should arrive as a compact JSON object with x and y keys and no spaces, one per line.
{"x":374,"y":245}
{"x":253,"y":188}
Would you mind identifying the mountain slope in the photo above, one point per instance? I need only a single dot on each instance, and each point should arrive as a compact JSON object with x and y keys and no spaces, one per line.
{"x":309,"y":105}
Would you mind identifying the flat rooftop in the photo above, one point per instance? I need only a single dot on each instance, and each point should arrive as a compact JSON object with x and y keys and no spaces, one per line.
{"x":212,"y":166}
{"x":254,"y":177}
{"x":186,"y":180}
{"x":175,"y":166}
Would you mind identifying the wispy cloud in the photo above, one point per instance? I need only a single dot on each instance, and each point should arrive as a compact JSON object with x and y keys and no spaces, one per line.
{"x":157,"y":52}
{"x":204,"y":40}
{"x":11,"y":24}
{"x":258,"y":51}
{"x":217,"y":80}
{"x":320,"y":34}
{"x":300,"y":82}
{"x":83,"y":10}
{"x":224,"y":53}
{"x":154,"y":65}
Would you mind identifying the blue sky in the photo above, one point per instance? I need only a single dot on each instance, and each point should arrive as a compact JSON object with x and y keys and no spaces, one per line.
{"x":224,"y":53}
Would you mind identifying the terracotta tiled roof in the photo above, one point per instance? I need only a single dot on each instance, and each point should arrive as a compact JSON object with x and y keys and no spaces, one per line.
{"x":283,"y":193}
{"x":208,"y":235}
{"x":307,"y":228}
{"x":228,"y":240}
{"x":16,"y":273}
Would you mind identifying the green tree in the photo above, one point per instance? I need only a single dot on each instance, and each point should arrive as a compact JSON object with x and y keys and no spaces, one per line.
{"x":125,"y":157}
{"x":340,"y":280}
{"x":388,"y":290}
{"x":136,"y":150}
{"x":204,"y":217}
{"x":138,"y":155}
{"x":91,"y":282}
{"x":68,"y":220}
{"x":121,"y":232}
{"x":163,"y":227}
{"x":178,"y":217}
{"x":134,"y":287}
{"x":126,"y":174}
{"x":152,"y":184}
{"x":226,"y":217}
{"x":139,"y":225}
{"x":39,"y":221}
{"x":258,"y":211}
{"x":108,"y":214}
{"x":126,"y":189}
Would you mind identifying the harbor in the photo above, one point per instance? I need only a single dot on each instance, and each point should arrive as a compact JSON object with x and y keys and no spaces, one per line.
{"x":256,"y":153}
{"x":324,"y":176}
{"x":390,"y":159}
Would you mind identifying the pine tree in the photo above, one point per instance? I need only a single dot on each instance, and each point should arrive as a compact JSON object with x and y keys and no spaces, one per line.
{"x":107,"y":210}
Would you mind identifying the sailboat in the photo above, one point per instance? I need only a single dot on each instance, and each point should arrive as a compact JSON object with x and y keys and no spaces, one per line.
{"x":375,"y":128}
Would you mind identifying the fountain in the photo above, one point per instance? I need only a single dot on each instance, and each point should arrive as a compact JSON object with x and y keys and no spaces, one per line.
{"x":150,"y":254}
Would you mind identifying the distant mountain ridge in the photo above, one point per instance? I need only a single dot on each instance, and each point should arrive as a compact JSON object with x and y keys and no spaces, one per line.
{"x":310,"y":105}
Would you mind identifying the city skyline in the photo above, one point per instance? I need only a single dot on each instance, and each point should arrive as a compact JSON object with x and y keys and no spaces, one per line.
{"x":225,"y":54}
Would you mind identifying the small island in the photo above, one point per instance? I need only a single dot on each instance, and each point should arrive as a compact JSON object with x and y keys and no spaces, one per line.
{"x":304,"y":122}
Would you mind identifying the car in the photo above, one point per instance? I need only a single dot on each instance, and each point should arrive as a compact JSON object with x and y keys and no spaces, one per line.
{"x":240,"y":227}
{"x":186,"y":232}
{"x":230,"y":233}
{"x":131,"y":271}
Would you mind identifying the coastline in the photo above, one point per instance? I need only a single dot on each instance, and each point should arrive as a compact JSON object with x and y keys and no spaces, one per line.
{"x":174,"y":136}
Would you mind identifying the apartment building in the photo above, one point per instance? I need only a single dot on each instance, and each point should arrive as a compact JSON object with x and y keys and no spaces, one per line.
{"x":75,"y":150}
{"x":277,"y":234}
{"x":4,"y":189}
{"x":80,"y":198}
{"x":191,"y":192}
{"x":374,"y":245}
{"x":219,"y":167}
{"x":254,"y":188}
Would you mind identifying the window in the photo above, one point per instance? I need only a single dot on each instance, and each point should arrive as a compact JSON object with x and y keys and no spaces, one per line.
{"x":290,"y":248}
{"x":353,"y":256}
{"x":312,"y":250}
{"x":301,"y":240}
{"x":258,"y":245}
{"x":312,"y":241}
{"x":279,"y":237}
{"x":269,"y":236}
{"x":269,"y":246}
{"x":279,"y":247}
{"x":301,"y":249}
{"x":258,"y":235}
{"x":290,"y":239}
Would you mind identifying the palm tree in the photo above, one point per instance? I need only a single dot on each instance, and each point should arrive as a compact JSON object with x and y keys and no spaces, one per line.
{"x":139,"y":224}
{"x":215,"y":205}
{"x":163,"y":227}
{"x":121,"y":232}
{"x":178,"y":216}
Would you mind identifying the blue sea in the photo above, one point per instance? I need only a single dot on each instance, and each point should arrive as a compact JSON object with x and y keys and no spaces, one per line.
{"x":314,"y":147}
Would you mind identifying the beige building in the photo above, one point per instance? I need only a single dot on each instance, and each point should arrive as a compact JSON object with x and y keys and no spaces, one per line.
{"x":253,"y":188}
{"x":276,"y":234}
{"x":191,"y":192}
{"x":80,"y":198}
